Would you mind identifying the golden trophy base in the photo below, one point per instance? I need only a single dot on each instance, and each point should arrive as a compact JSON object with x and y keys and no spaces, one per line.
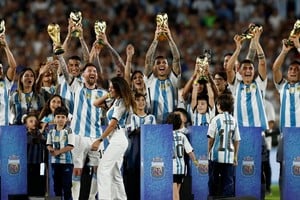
{"x":59,"y":51}
{"x":162,"y":37}
{"x":75,"y":34}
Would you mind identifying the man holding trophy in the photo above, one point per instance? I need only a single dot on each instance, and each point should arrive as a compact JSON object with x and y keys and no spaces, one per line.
{"x":159,"y":72}
{"x":6,"y":81}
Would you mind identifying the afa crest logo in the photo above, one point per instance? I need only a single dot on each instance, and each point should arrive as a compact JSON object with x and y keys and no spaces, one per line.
{"x":203,"y":165}
{"x":296,"y":166}
{"x":248,"y":167}
{"x":157,"y":167}
{"x":13,"y":165}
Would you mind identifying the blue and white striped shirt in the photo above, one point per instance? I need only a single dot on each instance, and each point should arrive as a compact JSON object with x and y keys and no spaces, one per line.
{"x":58,"y":140}
{"x":162,"y":96}
{"x":86,"y":120}
{"x":249,"y":109}
{"x":223,"y":128}
{"x":180,"y":144}
{"x":5,"y":86}
{"x":289,"y":104}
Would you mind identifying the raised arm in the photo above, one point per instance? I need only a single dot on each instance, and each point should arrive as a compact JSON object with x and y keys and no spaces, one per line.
{"x":277,"y":74}
{"x":114,"y":54}
{"x":230,"y":70}
{"x":129,"y":53}
{"x":12,"y":65}
{"x":63,"y":67}
{"x":94,"y":56}
{"x":66,"y":44}
{"x":149,"y":60}
{"x":262,"y":64}
{"x":175,"y":53}
{"x":188,"y":86}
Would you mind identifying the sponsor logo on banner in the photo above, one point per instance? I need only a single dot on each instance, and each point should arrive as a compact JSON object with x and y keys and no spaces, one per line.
{"x":157,"y":167}
{"x":13,"y":165}
{"x":248,"y":168}
{"x":203,"y":165}
{"x":296,"y":166}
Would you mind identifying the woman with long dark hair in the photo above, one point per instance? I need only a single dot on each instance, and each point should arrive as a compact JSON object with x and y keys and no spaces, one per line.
{"x":109,"y":177}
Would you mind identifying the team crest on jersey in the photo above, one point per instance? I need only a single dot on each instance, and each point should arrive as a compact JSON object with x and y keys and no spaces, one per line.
{"x":296,"y":166}
{"x":13,"y":165}
{"x":157,"y":167}
{"x":203,"y":165}
{"x":248,"y":168}
{"x":1,"y":85}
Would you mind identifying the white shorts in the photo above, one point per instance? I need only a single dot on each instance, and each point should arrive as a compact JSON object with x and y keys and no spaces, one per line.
{"x":82,"y":149}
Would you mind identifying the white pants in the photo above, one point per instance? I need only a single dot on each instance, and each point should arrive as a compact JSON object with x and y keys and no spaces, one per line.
{"x":109,"y":177}
{"x":82,"y":149}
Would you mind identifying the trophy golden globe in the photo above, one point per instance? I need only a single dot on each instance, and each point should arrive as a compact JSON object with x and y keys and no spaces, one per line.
{"x":202,"y":67}
{"x":295,"y":31}
{"x":249,"y":32}
{"x":162,"y":21}
{"x":54,"y":33}
{"x":76,"y":18}
{"x":100,"y":28}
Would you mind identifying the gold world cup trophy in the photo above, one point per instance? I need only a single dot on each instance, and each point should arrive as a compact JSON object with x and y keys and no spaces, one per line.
{"x":100,"y":28}
{"x":202,"y":64}
{"x":2,"y":29}
{"x":249,"y":32}
{"x":295,"y":31}
{"x":162,"y":21}
{"x":54,"y":33}
{"x":76,"y":18}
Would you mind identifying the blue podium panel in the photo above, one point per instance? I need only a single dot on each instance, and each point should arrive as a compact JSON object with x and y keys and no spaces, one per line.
{"x":291,"y":160}
{"x":248,"y":171}
{"x":198,"y":139}
{"x":13,"y":155}
{"x":156,"y":162}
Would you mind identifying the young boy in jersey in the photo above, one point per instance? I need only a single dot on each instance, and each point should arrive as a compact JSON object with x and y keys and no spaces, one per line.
{"x":180,"y":144}
{"x":60,"y":142}
{"x":36,"y":156}
{"x":223,"y":145}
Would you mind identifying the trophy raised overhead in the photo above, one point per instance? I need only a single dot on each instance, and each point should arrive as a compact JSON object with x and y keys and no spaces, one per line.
{"x":54,"y":33}
{"x":295,"y":31}
{"x":202,"y":64}
{"x":76,"y":19}
{"x":249,"y":32}
{"x":162,"y":21}
{"x":100,"y":27}
{"x":2,"y":27}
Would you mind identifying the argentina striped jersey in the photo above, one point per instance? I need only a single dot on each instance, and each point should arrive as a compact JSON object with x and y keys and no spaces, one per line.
{"x":180,"y":145}
{"x":86,"y":120}
{"x":249,"y":107}
{"x":5,"y":86}
{"x":289,"y":104}
{"x":223,"y":128}
{"x":162,"y":96}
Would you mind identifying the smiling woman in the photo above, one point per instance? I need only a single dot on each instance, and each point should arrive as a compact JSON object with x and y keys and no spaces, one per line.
{"x":26,"y":99}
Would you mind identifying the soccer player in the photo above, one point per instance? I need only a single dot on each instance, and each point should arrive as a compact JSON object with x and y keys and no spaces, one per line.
{"x":6,"y":81}
{"x":248,"y":92}
{"x":162,"y":79}
{"x":85,"y":123}
{"x":289,"y":91}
